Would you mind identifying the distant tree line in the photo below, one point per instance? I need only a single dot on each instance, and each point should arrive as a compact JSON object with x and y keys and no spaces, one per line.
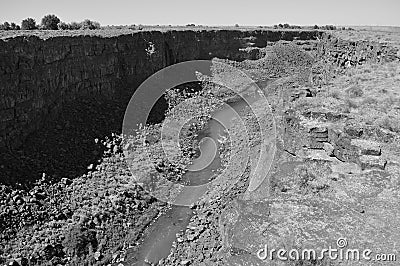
{"x":324,"y":27}
{"x":331,"y":27}
{"x":51,"y":22}
{"x":286,"y":26}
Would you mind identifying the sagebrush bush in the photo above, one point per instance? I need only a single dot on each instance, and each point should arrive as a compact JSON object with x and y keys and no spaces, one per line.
{"x":335,"y":95}
{"x":89,"y":25}
{"x":14,"y":26}
{"x":62,"y":26}
{"x":355,"y":91}
{"x":390,"y":123}
{"x":74,"y":25}
{"x":6,"y":26}
{"x":370,"y":101}
{"x":350,"y":104}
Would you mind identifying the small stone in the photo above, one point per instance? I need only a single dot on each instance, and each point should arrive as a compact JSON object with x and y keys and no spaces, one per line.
{"x":96,"y":221}
{"x":185,"y":262}
{"x":127,"y":146}
{"x":66,"y":181}
{"x":328,"y":148}
{"x":97,"y":255}
{"x":191,"y":237}
{"x":16,"y":198}
{"x":90,"y":167}
{"x":115,"y":149}
{"x":22,"y":261}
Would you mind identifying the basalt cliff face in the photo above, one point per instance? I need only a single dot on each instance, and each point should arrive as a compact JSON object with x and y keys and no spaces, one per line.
{"x":38,"y":75}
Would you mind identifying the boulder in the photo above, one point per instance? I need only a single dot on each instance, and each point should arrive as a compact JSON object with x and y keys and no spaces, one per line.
{"x":349,"y":150}
{"x":367,"y":147}
{"x":317,"y":155}
{"x":317,"y":135}
{"x":297,"y":222}
{"x":354,"y":130}
{"x":328,"y":148}
{"x":372,"y":162}
{"x":333,"y":134}
{"x":346,"y":168}
{"x":344,"y":151}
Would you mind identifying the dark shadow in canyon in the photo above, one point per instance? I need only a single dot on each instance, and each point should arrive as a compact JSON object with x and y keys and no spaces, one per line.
{"x":66,"y":145}
{"x":71,"y":144}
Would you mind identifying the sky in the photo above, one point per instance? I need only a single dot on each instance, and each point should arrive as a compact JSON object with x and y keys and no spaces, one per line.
{"x":208,"y":12}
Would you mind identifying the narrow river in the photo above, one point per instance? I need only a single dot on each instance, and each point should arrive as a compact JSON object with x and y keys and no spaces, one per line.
{"x":162,"y":233}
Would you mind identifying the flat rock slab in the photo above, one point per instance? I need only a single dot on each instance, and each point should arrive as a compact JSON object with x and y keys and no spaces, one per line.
{"x":362,"y":209}
{"x":367,"y":147}
{"x":371,"y":161}
{"x":346,"y":168}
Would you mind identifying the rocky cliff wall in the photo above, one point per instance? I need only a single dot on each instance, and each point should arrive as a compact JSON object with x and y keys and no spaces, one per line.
{"x":344,"y":53}
{"x":38,"y":75}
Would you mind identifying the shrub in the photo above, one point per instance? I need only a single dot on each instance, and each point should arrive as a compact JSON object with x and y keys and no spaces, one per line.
{"x":389,"y":122}
{"x":15,"y":26}
{"x":355,"y":91}
{"x":330,"y":27}
{"x":236,"y":25}
{"x":63,"y":26}
{"x":350,"y":104}
{"x":28,"y":24}
{"x":50,"y":22}
{"x":369,"y":101}
{"x":5,"y":26}
{"x":335,"y":95}
{"x":74,"y":26}
{"x":90,"y":25}
{"x":8,"y":26}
